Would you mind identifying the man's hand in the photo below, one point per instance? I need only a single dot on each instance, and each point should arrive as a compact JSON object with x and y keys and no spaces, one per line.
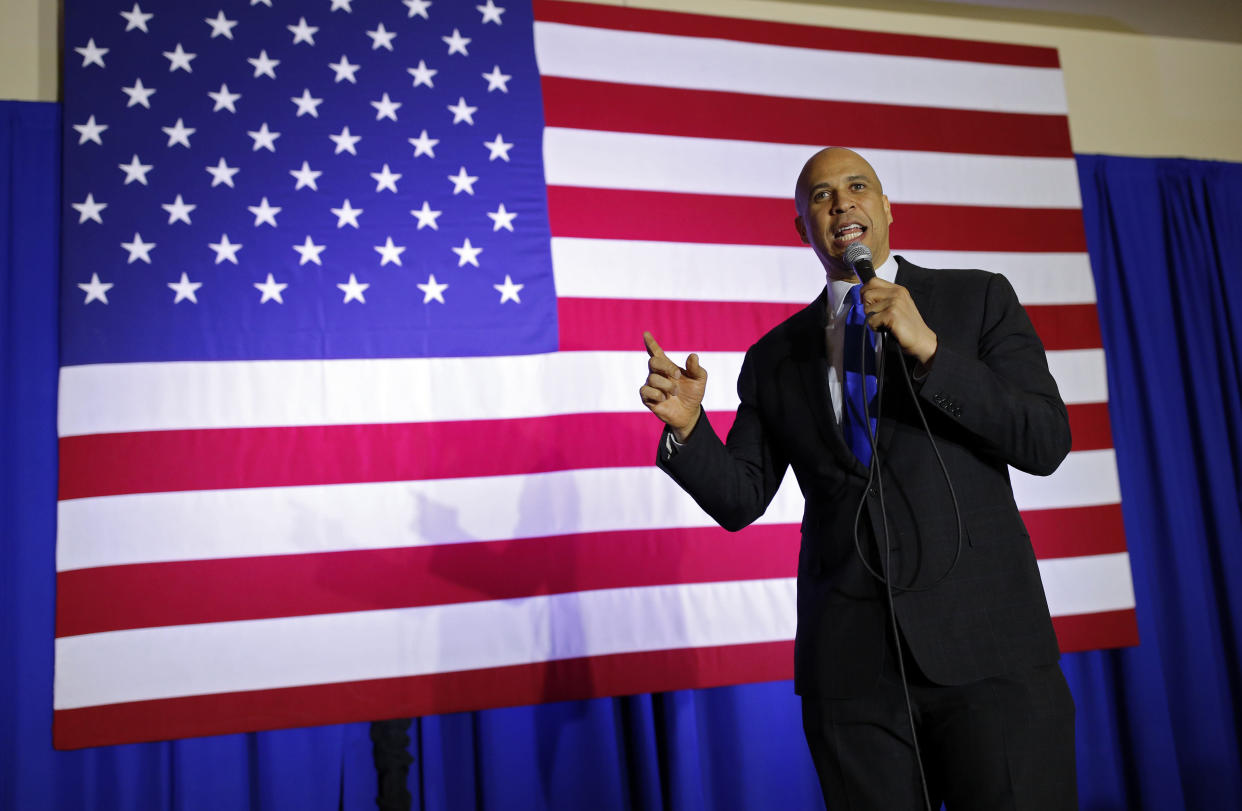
{"x":673,"y":394}
{"x":889,"y":305}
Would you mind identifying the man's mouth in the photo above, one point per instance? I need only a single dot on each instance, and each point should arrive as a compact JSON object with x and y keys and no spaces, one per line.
{"x":848,"y":233}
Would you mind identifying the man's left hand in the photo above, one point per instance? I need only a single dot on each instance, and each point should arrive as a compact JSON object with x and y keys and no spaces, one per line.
{"x":889,"y":306}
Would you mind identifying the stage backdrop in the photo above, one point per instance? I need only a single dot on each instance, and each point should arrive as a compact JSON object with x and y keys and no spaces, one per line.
{"x":351,"y":317}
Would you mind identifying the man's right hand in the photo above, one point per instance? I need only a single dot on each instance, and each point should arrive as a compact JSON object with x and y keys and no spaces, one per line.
{"x":672,"y":393}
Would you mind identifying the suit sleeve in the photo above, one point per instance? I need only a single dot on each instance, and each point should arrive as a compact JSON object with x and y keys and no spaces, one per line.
{"x":732,"y":481}
{"x":1003,"y":393}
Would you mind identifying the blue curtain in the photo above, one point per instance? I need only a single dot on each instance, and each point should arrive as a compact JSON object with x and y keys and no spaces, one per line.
{"x":1158,"y":724}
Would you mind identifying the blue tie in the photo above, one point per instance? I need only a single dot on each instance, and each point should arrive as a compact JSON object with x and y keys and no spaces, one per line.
{"x":858,"y":379}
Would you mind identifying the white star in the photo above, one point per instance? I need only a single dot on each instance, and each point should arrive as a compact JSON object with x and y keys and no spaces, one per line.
{"x":467,"y":254}
{"x":418,"y":7}
{"x":267,"y":3}
{"x":138,"y":250}
{"x":264,"y":213}
{"x":90,"y":131}
{"x":457,"y":43}
{"x":462,"y":181}
{"x":92,"y":54}
{"x":179,"y":59}
{"x":303,"y":32}
{"x":385,"y":108}
{"x":353,"y":290}
{"x":179,"y":133}
{"x":462,"y":111}
{"x":337,"y":5}
{"x":136,"y":19}
{"x":307,"y":104}
{"x":222,"y":173}
{"x":344,"y":70}
{"x":178,"y":210}
{"x":497,"y":80}
{"x":225,"y":250}
{"x":138,"y":94}
{"x":263,"y":66}
{"x":385,"y":179}
{"x":346,"y":214}
{"x":509,"y":291}
{"x":432,"y":291}
{"x":345,"y":142}
{"x":381,"y":38}
{"x":135,"y":170}
{"x":422,"y":74}
{"x":220,"y":25}
{"x":88,"y":209}
{"x":390,"y":253}
{"x":305,"y":176}
{"x":424,"y":145}
{"x":224,"y":99}
{"x":263,"y":138}
{"x":426,"y":216}
{"x":498,"y":148}
{"x":502,"y":219}
{"x":491,"y":13}
{"x":185,"y":289}
{"x":309,"y":252}
{"x":96,"y":290}
{"x":271,"y":290}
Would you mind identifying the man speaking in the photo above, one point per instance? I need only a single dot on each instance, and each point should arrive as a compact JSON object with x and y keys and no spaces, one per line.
{"x":925,"y":655}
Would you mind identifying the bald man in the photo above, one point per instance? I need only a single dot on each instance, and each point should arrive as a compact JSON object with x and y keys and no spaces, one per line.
{"x":989,"y":723}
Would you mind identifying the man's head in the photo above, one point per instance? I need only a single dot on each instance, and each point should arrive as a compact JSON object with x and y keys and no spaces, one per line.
{"x":840,"y":201}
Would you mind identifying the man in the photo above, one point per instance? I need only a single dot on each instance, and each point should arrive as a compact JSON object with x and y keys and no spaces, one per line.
{"x":969,"y":636}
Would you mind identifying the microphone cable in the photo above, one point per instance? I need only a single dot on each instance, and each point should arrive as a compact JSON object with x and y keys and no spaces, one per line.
{"x":875,"y":478}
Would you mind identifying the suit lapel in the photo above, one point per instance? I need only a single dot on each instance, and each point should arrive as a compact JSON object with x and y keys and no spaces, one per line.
{"x":915,"y":279}
{"x":811,"y":361}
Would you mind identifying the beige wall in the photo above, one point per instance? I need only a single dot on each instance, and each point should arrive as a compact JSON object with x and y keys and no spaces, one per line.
{"x":1128,"y":94}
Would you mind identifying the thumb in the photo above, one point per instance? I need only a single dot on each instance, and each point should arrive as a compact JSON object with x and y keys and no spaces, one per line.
{"x":693,"y":369}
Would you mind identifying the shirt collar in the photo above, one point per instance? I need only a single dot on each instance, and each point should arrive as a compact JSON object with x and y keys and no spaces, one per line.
{"x":837,"y":290}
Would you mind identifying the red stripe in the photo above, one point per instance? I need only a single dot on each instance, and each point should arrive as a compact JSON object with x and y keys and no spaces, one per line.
{"x":591,"y":105}
{"x":1090,"y":426}
{"x":720,"y":219}
{"x":1076,"y":531}
{"x":792,"y":35}
{"x":732,"y":326}
{"x":228,"y":458}
{"x":721,"y":326}
{"x":1106,"y":629}
{"x":232,"y":458}
{"x":1066,"y":326}
{"x":112,"y":598}
{"x":345,"y":702}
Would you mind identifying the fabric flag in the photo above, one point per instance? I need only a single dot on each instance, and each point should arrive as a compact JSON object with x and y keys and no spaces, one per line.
{"x":352,"y":301}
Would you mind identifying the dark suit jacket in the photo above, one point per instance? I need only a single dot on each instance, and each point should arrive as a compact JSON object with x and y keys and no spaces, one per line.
{"x":990,"y":402}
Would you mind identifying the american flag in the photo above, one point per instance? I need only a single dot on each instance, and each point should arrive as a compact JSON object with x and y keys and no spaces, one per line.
{"x":352,"y":299}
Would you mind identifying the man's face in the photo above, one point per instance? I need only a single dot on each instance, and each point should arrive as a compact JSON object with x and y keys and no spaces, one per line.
{"x":840,"y":202}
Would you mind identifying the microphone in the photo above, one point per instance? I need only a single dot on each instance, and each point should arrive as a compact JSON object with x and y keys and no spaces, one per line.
{"x":858,"y":257}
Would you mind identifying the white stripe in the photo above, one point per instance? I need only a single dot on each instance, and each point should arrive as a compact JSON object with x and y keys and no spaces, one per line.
{"x":625,"y":269}
{"x":192,"y":525}
{"x":149,"y":527}
{"x":1084,"y":479}
{"x":112,"y":398}
{"x":772,"y":70}
{"x":622,"y":160}
{"x":153,"y":663}
{"x":1085,"y":585}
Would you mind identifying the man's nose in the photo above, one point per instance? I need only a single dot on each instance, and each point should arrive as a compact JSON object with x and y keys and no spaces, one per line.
{"x":842,"y":205}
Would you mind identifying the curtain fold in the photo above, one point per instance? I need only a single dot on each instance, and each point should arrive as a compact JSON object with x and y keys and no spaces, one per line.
{"x":1158,"y":725}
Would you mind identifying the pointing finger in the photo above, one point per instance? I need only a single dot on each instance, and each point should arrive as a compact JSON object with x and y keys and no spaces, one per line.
{"x":653,"y":348}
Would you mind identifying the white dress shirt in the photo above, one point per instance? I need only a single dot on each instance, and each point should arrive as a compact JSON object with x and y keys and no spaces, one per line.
{"x":834,"y":333}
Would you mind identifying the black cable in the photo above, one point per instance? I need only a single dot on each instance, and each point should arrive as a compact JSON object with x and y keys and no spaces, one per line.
{"x":875,"y":476}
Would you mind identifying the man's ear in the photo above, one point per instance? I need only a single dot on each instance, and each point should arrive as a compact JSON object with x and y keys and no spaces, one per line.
{"x":801,"y":226}
{"x":888,"y":209}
